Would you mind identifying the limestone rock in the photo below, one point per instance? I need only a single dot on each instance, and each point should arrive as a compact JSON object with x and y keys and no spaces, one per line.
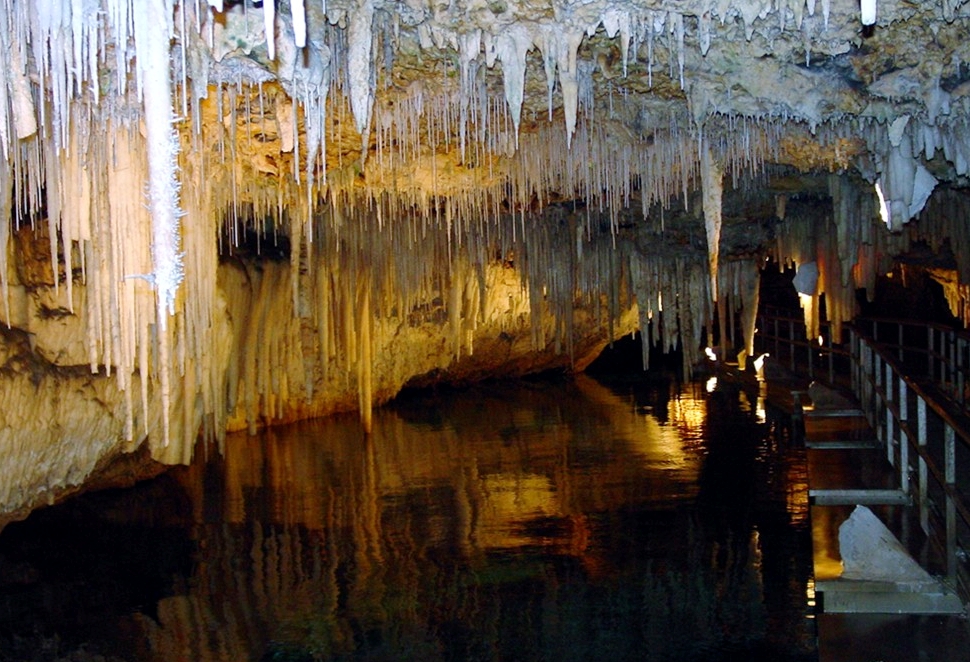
{"x":870,"y":552}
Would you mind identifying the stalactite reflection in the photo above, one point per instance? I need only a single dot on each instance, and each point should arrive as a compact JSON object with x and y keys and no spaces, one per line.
{"x":538,"y":523}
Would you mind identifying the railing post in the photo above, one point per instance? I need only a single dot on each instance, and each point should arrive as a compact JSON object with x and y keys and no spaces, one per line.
{"x":791,"y":343}
{"x":930,"y":358}
{"x":948,"y":362}
{"x":890,"y":419}
{"x":867,"y":381}
{"x":831,"y":357}
{"x":811,"y":360}
{"x":874,"y":418}
{"x":904,"y":461}
{"x":924,"y":509}
{"x":899,"y":341}
{"x":950,"y":475}
{"x":854,"y":362}
{"x":903,"y":436}
{"x":959,"y":368}
{"x":777,"y":340}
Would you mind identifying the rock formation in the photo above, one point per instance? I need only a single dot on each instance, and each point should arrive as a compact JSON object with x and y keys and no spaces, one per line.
{"x":226,"y":213}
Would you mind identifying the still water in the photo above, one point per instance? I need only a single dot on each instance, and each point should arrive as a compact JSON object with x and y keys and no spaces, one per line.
{"x":541,"y":520}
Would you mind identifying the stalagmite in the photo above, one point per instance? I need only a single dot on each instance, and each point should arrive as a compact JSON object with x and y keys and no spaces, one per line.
{"x":750,"y":290}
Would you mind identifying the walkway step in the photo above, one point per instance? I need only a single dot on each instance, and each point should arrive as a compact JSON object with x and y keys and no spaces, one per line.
{"x":847,"y":467}
{"x":842,"y":596}
{"x":861,"y":468}
{"x":865,"y":497}
{"x":833,"y":413}
{"x":842,"y":444}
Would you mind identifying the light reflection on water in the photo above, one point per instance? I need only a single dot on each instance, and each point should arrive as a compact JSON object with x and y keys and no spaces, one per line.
{"x":527,"y":521}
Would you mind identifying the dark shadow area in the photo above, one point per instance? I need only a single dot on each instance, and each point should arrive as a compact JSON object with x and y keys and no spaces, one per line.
{"x":68,"y":570}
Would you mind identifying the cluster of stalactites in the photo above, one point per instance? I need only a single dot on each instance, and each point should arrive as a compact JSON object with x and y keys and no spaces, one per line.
{"x":362,"y":282}
{"x":132,"y":261}
{"x":837,"y":254}
{"x":103,"y":235}
{"x":54,"y":145}
{"x":943,"y":226}
{"x":556,"y":40}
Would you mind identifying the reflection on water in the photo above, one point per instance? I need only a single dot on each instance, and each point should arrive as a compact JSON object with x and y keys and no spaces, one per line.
{"x":528,"y":521}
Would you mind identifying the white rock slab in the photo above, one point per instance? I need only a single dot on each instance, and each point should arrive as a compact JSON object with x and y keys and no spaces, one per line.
{"x":870,"y":552}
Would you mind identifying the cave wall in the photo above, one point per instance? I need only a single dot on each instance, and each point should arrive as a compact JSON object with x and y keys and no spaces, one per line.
{"x":64,"y":424}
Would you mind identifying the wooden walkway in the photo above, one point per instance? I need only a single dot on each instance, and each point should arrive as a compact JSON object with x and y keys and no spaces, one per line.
{"x":864,"y":620}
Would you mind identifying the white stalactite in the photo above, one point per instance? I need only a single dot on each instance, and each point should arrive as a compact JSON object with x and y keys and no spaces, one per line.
{"x":704,"y":32}
{"x":712,"y":183}
{"x":152,"y":37}
{"x":269,"y":26}
{"x":21,"y":101}
{"x":299,"y":22}
{"x":568,"y":79}
{"x":359,"y":64}
{"x":5,"y":199}
{"x":548,"y":45}
{"x":512,"y":46}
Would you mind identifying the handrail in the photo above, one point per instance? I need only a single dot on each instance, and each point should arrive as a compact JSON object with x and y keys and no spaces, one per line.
{"x":891,"y":400}
{"x":944,"y":356}
{"x":910,"y":378}
{"x":782,"y":335}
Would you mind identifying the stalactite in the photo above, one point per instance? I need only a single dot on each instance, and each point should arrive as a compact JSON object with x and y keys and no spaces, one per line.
{"x":5,"y":208}
{"x":269,"y":27}
{"x":152,"y":34}
{"x":712,"y":182}
{"x":365,"y":364}
{"x":568,"y":81}
{"x":359,"y":72}
{"x":512,"y":46}
{"x":448,"y":215}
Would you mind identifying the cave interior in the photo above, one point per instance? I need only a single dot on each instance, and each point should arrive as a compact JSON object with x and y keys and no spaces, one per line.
{"x":227,"y":214}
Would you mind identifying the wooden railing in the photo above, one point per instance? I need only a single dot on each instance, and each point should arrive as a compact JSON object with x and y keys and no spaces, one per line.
{"x":910,"y":379}
{"x":781,"y":334}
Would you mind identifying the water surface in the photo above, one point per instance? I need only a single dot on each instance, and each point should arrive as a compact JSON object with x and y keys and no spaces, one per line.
{"x":540,"y":520}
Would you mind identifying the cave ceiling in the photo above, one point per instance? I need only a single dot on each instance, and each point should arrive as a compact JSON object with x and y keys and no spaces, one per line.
{"x":149,"y":133}
{"x":419,"y":99}
{"x":467,"y":98}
